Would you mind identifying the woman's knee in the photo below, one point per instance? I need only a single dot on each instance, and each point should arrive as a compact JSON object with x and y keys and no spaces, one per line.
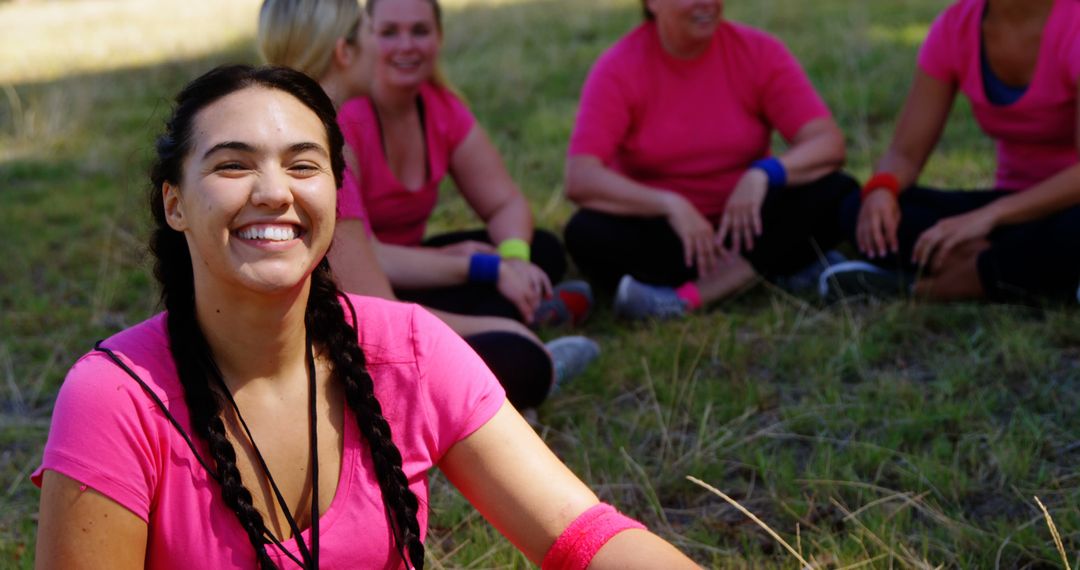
{"x":549,"y":255}
{"x":520,"y":364}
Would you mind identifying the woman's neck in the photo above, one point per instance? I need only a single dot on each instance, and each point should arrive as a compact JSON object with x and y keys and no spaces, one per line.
{"x":335,"y":88}
{"x":255,"y":339}
{"x":681,"y":48}
{"x":1017,"y":11}
{"x":394,"y":102}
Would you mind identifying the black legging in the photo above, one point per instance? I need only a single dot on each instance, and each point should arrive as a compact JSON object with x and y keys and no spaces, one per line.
{"x":1039,"y":259}
{"x":523,"y":368}
{"x":799,"y":223}
{"x":483,"y":299}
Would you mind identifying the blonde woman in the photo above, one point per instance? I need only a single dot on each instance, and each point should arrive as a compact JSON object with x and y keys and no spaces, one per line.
{"x":326,"y":40}
{"x":414,"y":131}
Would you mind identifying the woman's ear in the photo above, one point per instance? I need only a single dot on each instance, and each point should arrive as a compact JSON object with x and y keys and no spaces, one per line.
{"x":344,"y":52}
{"x":174,"y":206}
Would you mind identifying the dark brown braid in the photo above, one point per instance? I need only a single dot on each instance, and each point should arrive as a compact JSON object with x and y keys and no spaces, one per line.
{"x":194,"y":361}
{"x":328,"y":325}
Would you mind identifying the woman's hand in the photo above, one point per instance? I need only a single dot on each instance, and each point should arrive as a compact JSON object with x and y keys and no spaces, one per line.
{"x":519,"y":287}
{"x":936,"y":243}
{"x":879,"y":218}
{"x":532,"y":274}
{"x":467,"y":248}
{"x":742,"y":215}
{"x":695,"y":232}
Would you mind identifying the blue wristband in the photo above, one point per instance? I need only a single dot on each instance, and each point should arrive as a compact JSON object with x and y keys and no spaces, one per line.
{"x":774,"y":170}
{"x":484,"y":268}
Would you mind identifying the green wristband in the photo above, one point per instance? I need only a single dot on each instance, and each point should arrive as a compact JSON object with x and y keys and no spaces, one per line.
{"x":515,"y":248}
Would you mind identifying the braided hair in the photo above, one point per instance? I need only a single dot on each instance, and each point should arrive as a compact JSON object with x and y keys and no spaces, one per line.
{"x":325,"y":317}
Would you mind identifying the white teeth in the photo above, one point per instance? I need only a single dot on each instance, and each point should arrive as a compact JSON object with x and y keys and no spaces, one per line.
{"x":270,"y":233}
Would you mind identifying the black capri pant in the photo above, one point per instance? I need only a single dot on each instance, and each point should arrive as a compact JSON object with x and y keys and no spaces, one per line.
{"x":799,"y":224}
{"x":485,"y":299}
{"x":1025,"y":262}
{"x":522,"y":366}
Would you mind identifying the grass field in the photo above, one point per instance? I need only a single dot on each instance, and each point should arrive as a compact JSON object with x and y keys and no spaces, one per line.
{"x":888,"y":435}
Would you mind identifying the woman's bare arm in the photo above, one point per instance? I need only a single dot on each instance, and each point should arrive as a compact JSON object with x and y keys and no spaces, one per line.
{"x":486,"y":185}
{"x":507,"y":472}
{"x":81,"y":529}
{"x":917,"y":132}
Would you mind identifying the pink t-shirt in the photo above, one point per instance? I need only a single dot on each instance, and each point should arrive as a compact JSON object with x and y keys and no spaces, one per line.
{"x":108,"y":434}
{"x":397,"y":214}
{"x":692,"y":126}
{"x":1036,"y":135}
{"x":349,"y":204}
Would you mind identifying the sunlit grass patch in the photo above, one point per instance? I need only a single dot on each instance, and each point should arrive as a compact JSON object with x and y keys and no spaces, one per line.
{"x":42,"y":41}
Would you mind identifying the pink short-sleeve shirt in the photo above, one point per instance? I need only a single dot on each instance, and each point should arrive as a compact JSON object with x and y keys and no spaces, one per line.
{"x":397,"y":214}
{"x":350,"y":206}
{"x":1036,"y":135}
{"x":692,"y":126}
{"x":108,"y":434}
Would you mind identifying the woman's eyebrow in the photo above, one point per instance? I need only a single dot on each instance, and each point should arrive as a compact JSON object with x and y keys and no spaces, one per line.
{"x":306,"y":146}
{"x":229,"y":145}
{"x":294,"y":148}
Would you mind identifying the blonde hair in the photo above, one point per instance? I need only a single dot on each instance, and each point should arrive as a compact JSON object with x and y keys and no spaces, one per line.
{"x":302,"y":34}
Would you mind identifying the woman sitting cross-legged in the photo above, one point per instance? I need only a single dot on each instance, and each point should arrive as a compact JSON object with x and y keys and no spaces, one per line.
{"x":330,"y":42}
{"x":681,"y":201}
{"x":411,"y":133}
{"x":267,"y":420}
{"x":1018,"y":62}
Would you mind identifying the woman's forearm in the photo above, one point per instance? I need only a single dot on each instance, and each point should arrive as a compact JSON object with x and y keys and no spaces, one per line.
{"x":817,"y":150}
{"x":918,"y":128}
{"x":633,"y":549}
{"x":512,"y":220}
{"x":904,"y":168}
{"x":409,"y":267}
{"x":1053,"y":195}
{"x":590,"y":184}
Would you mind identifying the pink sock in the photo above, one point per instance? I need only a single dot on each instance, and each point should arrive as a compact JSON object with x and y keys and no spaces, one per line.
{"x":689,"y":292}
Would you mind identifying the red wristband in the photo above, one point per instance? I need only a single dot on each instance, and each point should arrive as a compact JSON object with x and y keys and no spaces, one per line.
{"x":882,"y":181}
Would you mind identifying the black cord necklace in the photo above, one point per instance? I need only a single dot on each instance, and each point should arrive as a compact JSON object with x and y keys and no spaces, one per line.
{"x":309,"y":553}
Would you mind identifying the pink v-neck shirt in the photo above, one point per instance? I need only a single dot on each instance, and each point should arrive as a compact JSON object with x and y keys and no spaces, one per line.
{"x":397,"y":214}
{"x":692,"y":126}
{"x":1036,"y":135}
{"x":109,"y":435}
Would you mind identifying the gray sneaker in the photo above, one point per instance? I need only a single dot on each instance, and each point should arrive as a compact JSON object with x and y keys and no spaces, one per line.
{"x":637,"y":301}
{"x":861,"y":279}
{"x":808,"y":278}
{"x":570,"y":356}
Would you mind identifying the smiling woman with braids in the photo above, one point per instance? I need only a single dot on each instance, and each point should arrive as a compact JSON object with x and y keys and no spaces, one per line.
{"x":267,"y":420}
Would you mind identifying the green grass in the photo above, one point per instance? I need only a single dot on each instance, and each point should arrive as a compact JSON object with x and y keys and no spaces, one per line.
{"x":893,"y":434}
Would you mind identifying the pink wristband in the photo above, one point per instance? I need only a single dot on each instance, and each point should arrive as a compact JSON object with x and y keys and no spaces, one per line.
{"x":577,"y":545}
{"x":690,"y":293}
